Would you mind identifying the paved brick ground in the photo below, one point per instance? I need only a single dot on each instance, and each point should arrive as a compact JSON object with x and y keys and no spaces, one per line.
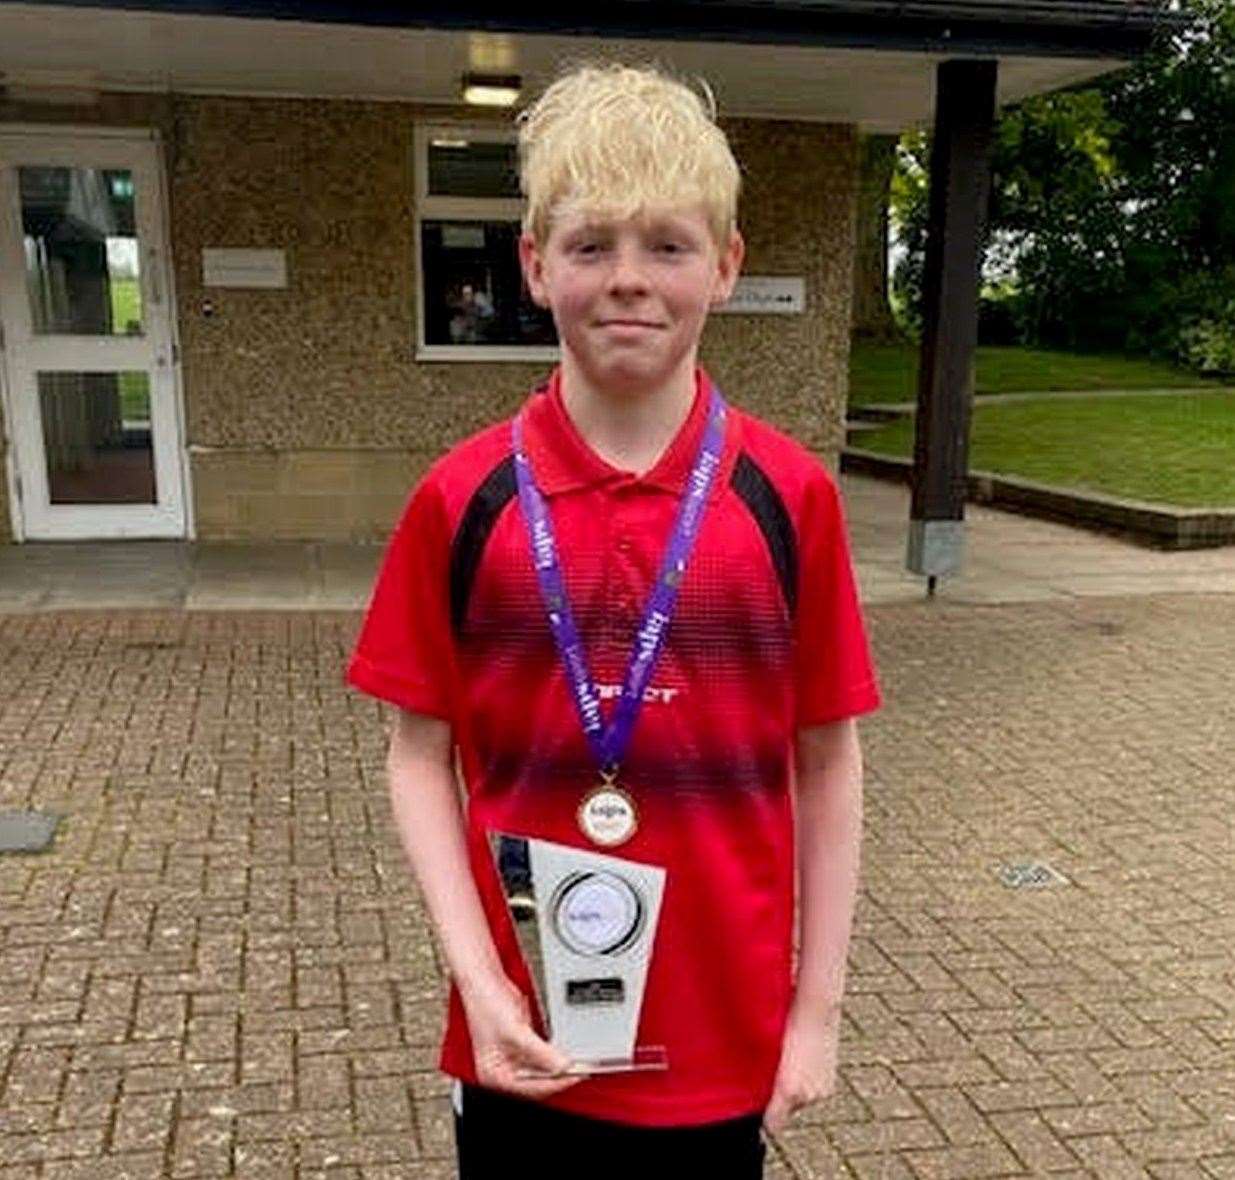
{"x":222,"y":970}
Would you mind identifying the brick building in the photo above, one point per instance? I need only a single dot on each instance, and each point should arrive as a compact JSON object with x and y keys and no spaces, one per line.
{"x":255,"y":273}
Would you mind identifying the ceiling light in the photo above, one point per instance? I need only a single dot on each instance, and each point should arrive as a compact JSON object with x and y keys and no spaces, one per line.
{"x":491,"y":53}
{"x":492,"y":90}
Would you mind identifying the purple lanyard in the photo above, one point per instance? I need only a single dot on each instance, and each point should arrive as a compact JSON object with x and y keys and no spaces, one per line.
{"x":609,"y":744}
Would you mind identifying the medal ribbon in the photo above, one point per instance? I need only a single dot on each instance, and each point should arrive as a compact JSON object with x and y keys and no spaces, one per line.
{"x":609,"y":743}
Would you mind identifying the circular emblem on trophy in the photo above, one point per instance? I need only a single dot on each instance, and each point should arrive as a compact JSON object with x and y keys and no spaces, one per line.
{"x":607,"y":816}
{"x":597,"y":913}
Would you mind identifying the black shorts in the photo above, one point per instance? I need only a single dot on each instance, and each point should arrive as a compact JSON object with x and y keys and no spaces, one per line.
{"x":501,"y":1137}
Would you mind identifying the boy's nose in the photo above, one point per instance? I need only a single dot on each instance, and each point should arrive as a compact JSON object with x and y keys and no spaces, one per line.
{"x":627,"y":273}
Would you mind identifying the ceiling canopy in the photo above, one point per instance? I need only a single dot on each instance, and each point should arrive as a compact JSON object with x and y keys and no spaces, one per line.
{"x":869,"y":62}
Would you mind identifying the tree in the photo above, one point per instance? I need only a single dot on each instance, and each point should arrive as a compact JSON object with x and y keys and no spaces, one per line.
{"x":872,"y":313}
{"x":1176,"y":155}
{"x":908,"y":201}
{"x":1057,"y":218}
{"x":1112,"y":214}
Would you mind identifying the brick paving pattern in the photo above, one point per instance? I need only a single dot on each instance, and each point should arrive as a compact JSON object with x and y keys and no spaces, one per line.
{"x":222,"y":969}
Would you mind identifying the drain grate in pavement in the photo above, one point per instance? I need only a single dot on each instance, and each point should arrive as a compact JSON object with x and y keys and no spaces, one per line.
{"x":27,"y":831}
{"x":1030,"y":874}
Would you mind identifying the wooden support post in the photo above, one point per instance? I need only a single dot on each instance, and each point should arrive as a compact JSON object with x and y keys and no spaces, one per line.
{"x":959,"y":188}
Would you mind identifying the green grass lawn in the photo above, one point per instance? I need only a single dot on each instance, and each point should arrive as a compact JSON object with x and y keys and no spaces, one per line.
{"x":1177,"y":449}
{"x":134,"y":391}
{"x":125,"y":304}
{"x":880,"y":373}
{"x":134,"y":388}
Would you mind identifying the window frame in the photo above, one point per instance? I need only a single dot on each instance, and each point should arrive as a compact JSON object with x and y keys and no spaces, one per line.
{"x":428,"y":207}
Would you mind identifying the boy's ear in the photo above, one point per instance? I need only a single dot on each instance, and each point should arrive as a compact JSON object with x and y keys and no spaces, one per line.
{"x":533,"y":264}
{"x":728,"y":267}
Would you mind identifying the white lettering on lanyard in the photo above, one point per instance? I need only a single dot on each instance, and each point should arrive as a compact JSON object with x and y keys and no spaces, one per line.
{"x":651,"y":695}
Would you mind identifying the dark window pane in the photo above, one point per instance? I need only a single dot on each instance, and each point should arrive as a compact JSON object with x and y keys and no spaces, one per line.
{"x":460,"y":168}
{"x":96,"y":437}
{"x":81,"y":250}
{"x":473,"y":286}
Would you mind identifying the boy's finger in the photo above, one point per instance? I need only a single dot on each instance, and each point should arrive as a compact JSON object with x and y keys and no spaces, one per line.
{"x":538,"y":1056}
{"x":777,"y":1114}
{"x":537,"y":1088}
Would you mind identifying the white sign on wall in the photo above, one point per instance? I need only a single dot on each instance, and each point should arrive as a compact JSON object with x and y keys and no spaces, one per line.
{"x":244,"y":268}
{"x":767,"y":295}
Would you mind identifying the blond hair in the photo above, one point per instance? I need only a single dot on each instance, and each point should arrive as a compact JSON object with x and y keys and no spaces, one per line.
{"x":616,"y":140}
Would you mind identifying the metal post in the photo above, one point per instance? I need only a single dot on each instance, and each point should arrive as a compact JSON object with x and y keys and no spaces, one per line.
{"x":959,"y":188}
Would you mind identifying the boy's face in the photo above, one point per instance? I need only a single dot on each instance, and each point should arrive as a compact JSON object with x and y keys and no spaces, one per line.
{"x":630,"y":297}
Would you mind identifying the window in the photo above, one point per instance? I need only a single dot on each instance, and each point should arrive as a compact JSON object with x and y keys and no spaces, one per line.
{"x":473,"y":304}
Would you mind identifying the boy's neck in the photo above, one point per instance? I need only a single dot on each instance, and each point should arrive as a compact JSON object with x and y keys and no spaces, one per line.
{"x":629,"y":429}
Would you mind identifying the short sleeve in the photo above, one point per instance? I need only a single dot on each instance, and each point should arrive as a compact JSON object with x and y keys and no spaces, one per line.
{"x":835,"y":676}
{"x":404,"y":653}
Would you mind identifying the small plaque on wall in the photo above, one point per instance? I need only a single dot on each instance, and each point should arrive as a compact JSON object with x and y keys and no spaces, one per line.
{"x":767,"y":295}
{"x":244,"y":268}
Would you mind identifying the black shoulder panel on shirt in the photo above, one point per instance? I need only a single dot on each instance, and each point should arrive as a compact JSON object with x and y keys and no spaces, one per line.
{"x":763,"y":500}
{"x":469,"y":542}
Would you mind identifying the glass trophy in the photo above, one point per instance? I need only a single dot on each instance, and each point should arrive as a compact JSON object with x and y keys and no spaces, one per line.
{"x":586,"y":923}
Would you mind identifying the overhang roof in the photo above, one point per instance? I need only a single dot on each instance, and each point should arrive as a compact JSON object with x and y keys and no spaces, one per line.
{"x":869,"y":62}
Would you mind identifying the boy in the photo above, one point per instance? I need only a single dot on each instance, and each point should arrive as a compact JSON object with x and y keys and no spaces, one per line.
{"x":758,"y":669}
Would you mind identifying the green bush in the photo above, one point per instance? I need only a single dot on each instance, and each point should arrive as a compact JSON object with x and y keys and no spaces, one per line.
{"x":1208,"y":345}
{"x":1111,"y":224}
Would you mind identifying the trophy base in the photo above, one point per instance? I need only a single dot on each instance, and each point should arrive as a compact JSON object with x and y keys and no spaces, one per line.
{"x":646,"y":1058}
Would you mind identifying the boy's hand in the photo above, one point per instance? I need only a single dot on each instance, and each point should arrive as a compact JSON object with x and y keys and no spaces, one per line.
{"x":807,"y":1071}
{"x":506,"y":1046}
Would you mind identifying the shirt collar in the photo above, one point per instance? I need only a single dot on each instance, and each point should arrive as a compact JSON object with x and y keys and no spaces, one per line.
{"x":562,"y":461}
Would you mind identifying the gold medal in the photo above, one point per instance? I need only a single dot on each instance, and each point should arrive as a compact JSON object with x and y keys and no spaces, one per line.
{"x":607,"y":815}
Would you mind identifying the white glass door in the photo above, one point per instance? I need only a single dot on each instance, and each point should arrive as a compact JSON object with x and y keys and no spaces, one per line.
{"x":88,"y":338}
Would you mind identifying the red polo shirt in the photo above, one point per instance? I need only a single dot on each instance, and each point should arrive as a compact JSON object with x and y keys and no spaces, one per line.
{"x":767,"y":636}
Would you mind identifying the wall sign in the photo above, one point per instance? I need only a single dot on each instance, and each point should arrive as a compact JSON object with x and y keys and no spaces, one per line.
{"x":767,"y":295}
{"x":244,"y":268}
